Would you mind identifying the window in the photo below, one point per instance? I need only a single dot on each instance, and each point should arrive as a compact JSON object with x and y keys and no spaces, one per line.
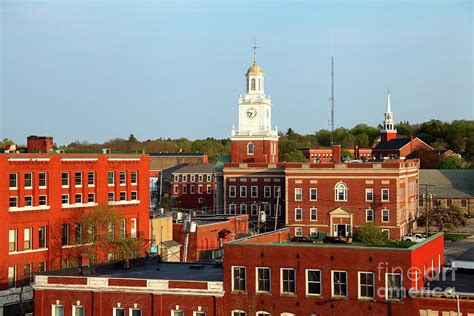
{"x":199,"y":314}
{"x":369,"y":195}
{"x":118,"y":311}
{"x":276,"y":191}
{"x":90,"y":197}
{"x":11,"y":277}
{"x":394,"y":286}
{"x":386,"y":233}
{"x":123,"y":178}
{"x":243,"y":191}
{"x":177,"y":313}
{"x":267,"y":208}
{"x":254,"y":191}
{"x":209,"y":178}
{"x":313,"y":232}
{"x":65,"y":179}
{"x":200,"y":189}
{"x":369,"y":215}
{"x":313,"y":282}
{"x":385,"y":195}
{"x":339,"y":283}
{"x":185,"y":178}
{"x":298,"y":214}
{"x":122,"y":228}
{"x":28,"y":200}
{"x":366,"y":285}
{"x":134,"y":195}
{"x":208,"y":189}
{"x":58,"y":310}
{"x":298,"y":194}
{"x":463,"y":202}
{"x":133,"y":229}
{"x":385,"y":215}
{"x":123,"y":195}
{"x":42,"y":179}
{"x":42,"y":237}
{"x":134,"y":178}
{"x":111,"y":196}
{"x":12,"y":239}
{"x":65,"y":199}
{"x":27,"y":274}
{"x":192,"y":178}
{"x":267,"y":191}
{"x":110,"y":178}
{"x":288,"y":281}
{"x":232,"y":209}
{"x":64,"y":263}
{"x":298,"y":231}
{"x":43,"y":200}
{"x":313,"y":214}
{"x":192,"y":188}
{"x":200,"y":178}
{"x":263,"y":314}
{"x":65,"y":235}
{"x":176,"y":178}
{"x":13,"y":180}
{"x":27,"y":238}
{"x":28,"y":180}
{"x":78,"y":198}
{"x":254,"y":209}
{"x":77,"y":310}
{"x":91,"y":178}
{"x":239,"y":279}
{"x":78,"y":233}
{"x":41,"y":266}
{"x":238,"y":313}
{"x":13,"y":201}
{"x":341,"y":192}
{"x":263,"y":280}
{"x":313,"y":194}
{"x":78,"y":179}
{"x":250,"y":149}
{"x":243,"y":208}
{"x":232,"y":191}
{"x":175,"y":189}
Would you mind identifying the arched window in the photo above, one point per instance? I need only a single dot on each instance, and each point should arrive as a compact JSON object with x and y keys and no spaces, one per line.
{"x":238,"y":313}
{"x":252,"y":84}
{"x":259,"y":84}
{"x":340,"y":192}
{"x":250,"y":149}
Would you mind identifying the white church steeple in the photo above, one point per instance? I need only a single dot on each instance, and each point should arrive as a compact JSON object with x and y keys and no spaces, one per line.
{"x":388,"y":131}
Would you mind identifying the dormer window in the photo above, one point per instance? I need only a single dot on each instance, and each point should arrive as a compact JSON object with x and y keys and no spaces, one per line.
{"x":252,"y":84}
{"x":250,"y":149}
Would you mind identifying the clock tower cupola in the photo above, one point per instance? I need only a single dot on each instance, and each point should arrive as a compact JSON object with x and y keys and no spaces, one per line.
{"x":255,"y":141}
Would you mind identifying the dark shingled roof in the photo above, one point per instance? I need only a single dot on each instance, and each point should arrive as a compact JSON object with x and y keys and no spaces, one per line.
{"x":396,"y":143}
{"x":196,"y":168}
{"x":449,"y":183}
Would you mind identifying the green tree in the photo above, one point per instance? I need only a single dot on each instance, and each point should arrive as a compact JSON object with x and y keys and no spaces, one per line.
{"x":362,"y":140}
{"x":370,"y":234}
{"x":445,"y":218}
{"x":290,"y":132}
{"x":451,"y":162}
{"x":132,"y":138}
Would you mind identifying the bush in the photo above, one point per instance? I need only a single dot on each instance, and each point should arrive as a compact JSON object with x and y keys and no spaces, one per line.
{"x":370,"y":234}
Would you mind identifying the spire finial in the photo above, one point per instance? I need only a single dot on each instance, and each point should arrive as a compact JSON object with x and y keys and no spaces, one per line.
{"x":389,"y":106}
{"x":254,"y":47}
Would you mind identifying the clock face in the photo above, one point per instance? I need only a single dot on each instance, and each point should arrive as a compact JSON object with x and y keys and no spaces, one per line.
{"x":252,"y":113}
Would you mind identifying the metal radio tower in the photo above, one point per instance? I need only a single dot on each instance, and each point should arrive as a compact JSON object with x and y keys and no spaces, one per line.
{"x":331,"y":121}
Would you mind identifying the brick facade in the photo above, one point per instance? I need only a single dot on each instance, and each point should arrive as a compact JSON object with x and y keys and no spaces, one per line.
{"x":263,"y":151}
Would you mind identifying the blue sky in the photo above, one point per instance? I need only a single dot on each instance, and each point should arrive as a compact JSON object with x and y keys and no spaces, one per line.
{"x":96,"y":70}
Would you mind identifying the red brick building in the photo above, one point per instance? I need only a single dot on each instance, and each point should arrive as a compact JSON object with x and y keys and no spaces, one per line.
{"x":205,"y":240}
{"x":43,"y":193}
{"x":193,"y":187}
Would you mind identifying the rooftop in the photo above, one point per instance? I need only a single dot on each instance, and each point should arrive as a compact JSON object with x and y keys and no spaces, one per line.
{"x":461,"y":281}
{"x":150,"y":269}
{"x":160,"y":154}
{"x":196,"y":168}
{"x":396,"y":143}
{"x":449,"y":183}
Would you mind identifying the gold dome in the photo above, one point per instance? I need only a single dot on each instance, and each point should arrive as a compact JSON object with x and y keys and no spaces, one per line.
{"x":254,"y":70}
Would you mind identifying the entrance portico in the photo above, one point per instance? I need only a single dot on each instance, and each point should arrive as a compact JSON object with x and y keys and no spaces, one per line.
{"x":340,"y":222}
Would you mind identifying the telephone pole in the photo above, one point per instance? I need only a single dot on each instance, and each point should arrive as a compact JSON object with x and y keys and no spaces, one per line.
{"x":427,"y":200}
{"x":276,"y":210}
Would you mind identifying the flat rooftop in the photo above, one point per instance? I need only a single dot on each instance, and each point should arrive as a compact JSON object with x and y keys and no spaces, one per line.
{"x":150,"y":269}
{"x":461,"y":280}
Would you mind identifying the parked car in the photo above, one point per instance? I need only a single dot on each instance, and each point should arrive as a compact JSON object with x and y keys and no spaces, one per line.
{"x":414,"y":238}
{"x":300,"y":239}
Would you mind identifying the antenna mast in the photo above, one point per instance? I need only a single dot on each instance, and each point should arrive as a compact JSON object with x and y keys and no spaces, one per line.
{"x":332,"y":102}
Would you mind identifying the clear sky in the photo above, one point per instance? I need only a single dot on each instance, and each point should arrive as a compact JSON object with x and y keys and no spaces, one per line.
{"x":95,"y":70}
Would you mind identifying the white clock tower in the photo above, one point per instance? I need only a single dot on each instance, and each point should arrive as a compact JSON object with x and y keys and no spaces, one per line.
{"x":255,"y":141}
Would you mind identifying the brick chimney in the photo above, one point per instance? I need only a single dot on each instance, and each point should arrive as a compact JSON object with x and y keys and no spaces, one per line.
{"x":336,"y":153}
{"x":39,"y":144}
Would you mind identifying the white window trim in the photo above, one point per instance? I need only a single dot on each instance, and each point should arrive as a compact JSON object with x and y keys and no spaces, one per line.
{"x":75,"y":198}
{"x":88,"y":194}
{"x":251,"y":191}
{"x":296,"y":219}
{"x":198,"y":312}
{"x":310,"y":194}
{"x":336,"y":187}
{"x":82,"y":179}
{"x":93,"y":178}
{"x":45,"y":180}
{"x":64,"y":186}
{"x":281,"y":281}
{"x":46,"y":198}
{"x":53,"y":307}
{"x":388,"y":232}
{"x":233,"y":206}
{"x":307,"y":283}
{"x":176,"y":310}
{"x":136,"y":178}
{"x":332,"y":284}
{"x":368,"y":190}
{"x":310,"y":217}
{"x":358,"y":287}
{"x":366,"y":215}
{"x":388,"y":212}
{"x":253,"y":149}
{"x":256,"y":279}
{"x":125,"y":180}
{"x":76,"y":306}
{"x":238,"y":311}
{"x":113,"y":178}
{"x":301,"y":190}
{"x":31,"y":198}
{"x":120,"y":195}
{"x":233,"y":289}
{"x":115,"y":310}
{"x":230,"y":191}
{"x":16,"y":181}
{"x":386,"y":286}
{"x":388,"y":193}
{"x":300,"y":229}
{"x":267,"y":189}
{"x":31,"y":180}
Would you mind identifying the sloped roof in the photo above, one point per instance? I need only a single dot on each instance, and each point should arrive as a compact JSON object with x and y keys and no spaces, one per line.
{"x":449,"y":183}
{"x":196,"y":168}
{"x":396,"y":143}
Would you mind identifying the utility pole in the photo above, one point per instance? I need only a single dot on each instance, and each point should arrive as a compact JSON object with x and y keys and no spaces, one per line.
{"x":276,"y":210}
{"x":258,"y":218}
{"x":427,"y":199}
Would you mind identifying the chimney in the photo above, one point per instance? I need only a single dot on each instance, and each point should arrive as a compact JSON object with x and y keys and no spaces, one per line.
{"x":39,"y":144}
{"x":336,"y":153}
